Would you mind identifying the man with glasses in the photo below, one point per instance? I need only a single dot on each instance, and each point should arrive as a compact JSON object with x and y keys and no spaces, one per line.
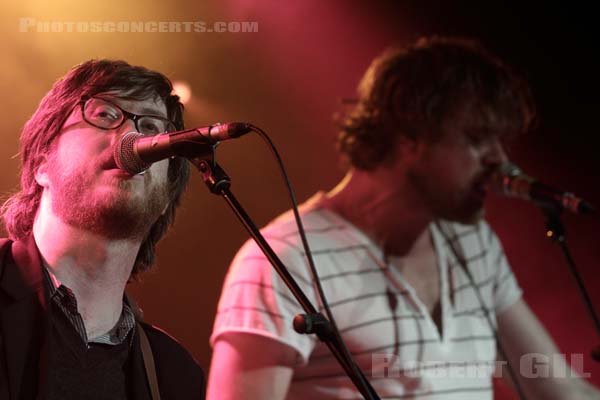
{"x":103,"y":113}
{"x":80,"y":229}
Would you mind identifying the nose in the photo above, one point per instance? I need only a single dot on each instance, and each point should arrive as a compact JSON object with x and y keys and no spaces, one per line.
{"x":495,"y":154}
{"x":128,"y":126}
{"x":117,"y":134}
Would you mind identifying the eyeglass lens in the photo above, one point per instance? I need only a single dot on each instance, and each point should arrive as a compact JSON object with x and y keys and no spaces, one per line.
{"x":105,"y":115}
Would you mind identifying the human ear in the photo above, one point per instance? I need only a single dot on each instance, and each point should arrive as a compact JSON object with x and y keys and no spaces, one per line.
{"x":406,"y":147}
{"x":41,"y":172}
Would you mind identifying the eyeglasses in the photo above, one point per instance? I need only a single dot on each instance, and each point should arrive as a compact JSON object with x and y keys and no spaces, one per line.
{"x":105,"y":114}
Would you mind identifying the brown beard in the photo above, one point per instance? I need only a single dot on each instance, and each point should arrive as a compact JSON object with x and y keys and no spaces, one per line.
{"x":114,"y":216}
{"x":456,"y":206}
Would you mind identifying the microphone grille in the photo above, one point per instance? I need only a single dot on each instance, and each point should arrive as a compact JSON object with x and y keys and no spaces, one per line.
{"x":510,"y":181}
{"x":125,"y":155}
{"x":509,"y":169}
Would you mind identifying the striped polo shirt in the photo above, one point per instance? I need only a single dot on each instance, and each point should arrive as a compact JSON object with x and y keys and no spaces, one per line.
{"x":386,"y":327}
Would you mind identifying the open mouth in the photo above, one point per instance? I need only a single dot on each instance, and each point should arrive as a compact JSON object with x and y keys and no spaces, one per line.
{"x":119,"y":173}
{"x":107,"y":161}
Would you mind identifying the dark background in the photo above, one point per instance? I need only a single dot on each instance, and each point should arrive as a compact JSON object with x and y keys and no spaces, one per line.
{"x":290,"y":78}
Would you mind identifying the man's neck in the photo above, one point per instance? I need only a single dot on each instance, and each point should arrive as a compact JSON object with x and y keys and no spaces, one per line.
{"x":391,"y":214}
{"x":95,"y":268}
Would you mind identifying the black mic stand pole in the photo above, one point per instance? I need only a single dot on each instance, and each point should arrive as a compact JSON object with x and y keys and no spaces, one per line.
{"x":555,"y":230}
{"x":219,"y":183}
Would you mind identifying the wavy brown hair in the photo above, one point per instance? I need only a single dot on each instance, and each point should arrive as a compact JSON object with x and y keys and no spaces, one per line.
{"x":42,"y":129}
{"x":413,"y":90}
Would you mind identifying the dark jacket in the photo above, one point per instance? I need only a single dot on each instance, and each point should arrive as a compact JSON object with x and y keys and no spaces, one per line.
{"x":23,"y":332}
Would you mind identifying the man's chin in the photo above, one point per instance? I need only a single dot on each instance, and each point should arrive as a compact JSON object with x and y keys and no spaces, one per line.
{"x":471,"y":218}
{"x":114,"y":217}
{"x":111,"y":224}
{"x":470,"y":215}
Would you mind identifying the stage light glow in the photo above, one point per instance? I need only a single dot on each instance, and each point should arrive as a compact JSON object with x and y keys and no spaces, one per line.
{"x":183,"y":90}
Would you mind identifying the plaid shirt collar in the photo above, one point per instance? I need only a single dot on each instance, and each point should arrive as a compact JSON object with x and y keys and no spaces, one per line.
{"x":65,"y":300}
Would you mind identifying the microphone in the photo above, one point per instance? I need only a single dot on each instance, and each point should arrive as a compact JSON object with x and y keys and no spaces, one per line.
{"x":511,"y":181}
{"x":135,"y":152}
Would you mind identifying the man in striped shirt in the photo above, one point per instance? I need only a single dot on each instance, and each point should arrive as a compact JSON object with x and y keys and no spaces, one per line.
{"x":416,"y":279}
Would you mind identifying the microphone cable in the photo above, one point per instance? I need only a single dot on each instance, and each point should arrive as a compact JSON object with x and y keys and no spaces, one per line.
{"x":313,"y":270}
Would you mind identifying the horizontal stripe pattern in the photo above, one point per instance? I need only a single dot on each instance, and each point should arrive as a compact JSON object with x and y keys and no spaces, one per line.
{"x":374,"y":316}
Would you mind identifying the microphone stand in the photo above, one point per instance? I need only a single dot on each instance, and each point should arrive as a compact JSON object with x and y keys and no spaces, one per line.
{"x":555,"y":231}
{"x":219,"y":183}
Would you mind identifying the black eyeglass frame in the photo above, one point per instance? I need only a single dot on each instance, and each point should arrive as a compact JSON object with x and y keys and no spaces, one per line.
{"x":126,"y":115}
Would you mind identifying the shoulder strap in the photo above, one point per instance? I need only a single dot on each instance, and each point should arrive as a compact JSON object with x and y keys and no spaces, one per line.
{"x":147,"y":355}
{"x":148,"y":362}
